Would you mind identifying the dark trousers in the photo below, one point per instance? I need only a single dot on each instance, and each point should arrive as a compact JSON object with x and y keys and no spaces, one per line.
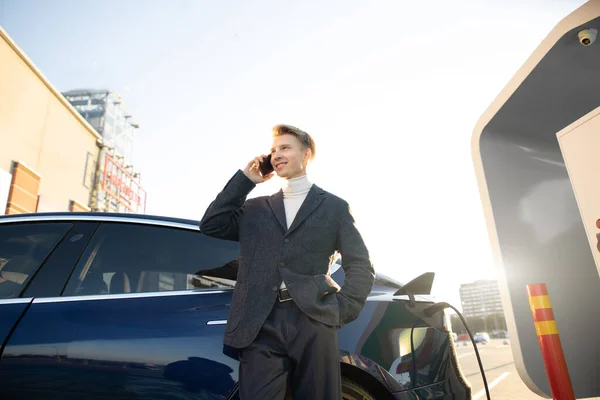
{"x":292,"y":351}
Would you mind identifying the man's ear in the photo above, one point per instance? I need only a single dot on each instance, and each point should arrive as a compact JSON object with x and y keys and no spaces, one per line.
{"x":307,"y":154}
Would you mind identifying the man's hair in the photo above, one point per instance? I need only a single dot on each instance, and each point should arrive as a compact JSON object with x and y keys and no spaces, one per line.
{"x":304,"y":138}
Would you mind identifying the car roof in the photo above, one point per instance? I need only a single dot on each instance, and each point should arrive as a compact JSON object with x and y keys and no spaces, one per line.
{"x":128,"y":218}
{"x":102,"y":216}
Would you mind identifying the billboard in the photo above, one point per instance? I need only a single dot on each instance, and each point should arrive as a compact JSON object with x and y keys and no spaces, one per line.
{"x":122,"y":186}
{"x":579,"y":144}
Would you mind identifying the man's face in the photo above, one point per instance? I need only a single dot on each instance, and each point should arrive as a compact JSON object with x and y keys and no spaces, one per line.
{"x":288,"y":157}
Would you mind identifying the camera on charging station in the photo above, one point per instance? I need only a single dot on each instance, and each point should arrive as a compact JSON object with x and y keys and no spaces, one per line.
{"x":587,"y":36}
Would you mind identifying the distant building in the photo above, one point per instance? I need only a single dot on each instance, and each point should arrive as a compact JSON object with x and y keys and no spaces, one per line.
{"x":117,"y":186}
{"x":106,"y":113}
{"x":481,"y":298}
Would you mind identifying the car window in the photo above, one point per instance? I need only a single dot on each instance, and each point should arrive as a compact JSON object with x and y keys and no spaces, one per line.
{"x":23,"y":248}
{"x":132,"y":258}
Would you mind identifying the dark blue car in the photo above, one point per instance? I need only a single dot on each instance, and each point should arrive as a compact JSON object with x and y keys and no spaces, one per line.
{"x":112,"y":306}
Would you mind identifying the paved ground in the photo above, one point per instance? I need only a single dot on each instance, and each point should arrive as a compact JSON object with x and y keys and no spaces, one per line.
{"x":502,"y":376}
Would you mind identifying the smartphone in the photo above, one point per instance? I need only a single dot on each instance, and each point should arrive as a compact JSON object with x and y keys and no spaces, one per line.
{"x":266,"y":167}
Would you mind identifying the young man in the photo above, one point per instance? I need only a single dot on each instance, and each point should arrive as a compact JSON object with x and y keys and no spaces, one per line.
{"x":286,"y":308}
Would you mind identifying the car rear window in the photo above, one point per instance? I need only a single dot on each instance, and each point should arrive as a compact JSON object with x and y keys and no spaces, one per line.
{"x":23,"y":249}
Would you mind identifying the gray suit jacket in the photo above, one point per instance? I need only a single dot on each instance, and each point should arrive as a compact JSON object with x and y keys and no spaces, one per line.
{"x":300,"y":255}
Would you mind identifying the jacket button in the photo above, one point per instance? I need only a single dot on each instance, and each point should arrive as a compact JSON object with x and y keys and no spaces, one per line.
{"x":286,"y":240}
{"x":282,"y":264}
{"x":275,"y":288}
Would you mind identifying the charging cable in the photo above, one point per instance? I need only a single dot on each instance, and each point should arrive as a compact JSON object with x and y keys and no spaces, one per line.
{"x":430,"y":311}
{"x":413,"y":378}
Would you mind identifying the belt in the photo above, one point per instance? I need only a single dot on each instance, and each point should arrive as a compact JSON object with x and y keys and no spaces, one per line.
{"x":283,"y":295}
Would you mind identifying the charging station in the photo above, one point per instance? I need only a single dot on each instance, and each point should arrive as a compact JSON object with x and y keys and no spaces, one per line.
{"x":536,"y":154}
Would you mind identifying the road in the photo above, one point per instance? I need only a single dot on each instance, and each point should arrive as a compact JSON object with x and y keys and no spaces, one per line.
{"x":502,"y":376}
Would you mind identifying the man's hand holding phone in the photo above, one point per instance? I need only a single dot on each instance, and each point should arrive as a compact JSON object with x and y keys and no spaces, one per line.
{"x":253,"y":169}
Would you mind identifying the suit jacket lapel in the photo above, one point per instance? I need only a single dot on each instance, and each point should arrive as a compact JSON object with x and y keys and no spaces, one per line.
{"x":276,"y":203}
{"x":314,"y":198}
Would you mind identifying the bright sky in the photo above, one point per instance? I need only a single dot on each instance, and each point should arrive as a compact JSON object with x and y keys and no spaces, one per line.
{"x":390,"y":90}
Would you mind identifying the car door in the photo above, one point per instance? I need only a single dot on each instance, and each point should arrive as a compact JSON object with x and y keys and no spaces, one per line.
{"x":24,"y":247}
{"x":142,"y":316}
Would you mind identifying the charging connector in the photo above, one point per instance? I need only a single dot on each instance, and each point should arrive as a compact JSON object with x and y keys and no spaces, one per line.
{"x":430,"y":311}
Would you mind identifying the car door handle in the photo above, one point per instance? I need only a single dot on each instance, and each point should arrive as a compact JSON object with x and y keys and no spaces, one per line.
{"x":217,"y":322}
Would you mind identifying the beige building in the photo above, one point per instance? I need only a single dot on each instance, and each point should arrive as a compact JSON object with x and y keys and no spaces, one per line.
{"x":48,"y":152}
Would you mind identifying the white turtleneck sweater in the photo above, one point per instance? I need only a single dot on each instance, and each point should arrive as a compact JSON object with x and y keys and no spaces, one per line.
{"x":294,"y":193}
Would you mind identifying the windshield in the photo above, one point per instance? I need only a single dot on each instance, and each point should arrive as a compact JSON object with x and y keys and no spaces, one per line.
{"x":380,"y":279}
{"x":384,"y":280}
